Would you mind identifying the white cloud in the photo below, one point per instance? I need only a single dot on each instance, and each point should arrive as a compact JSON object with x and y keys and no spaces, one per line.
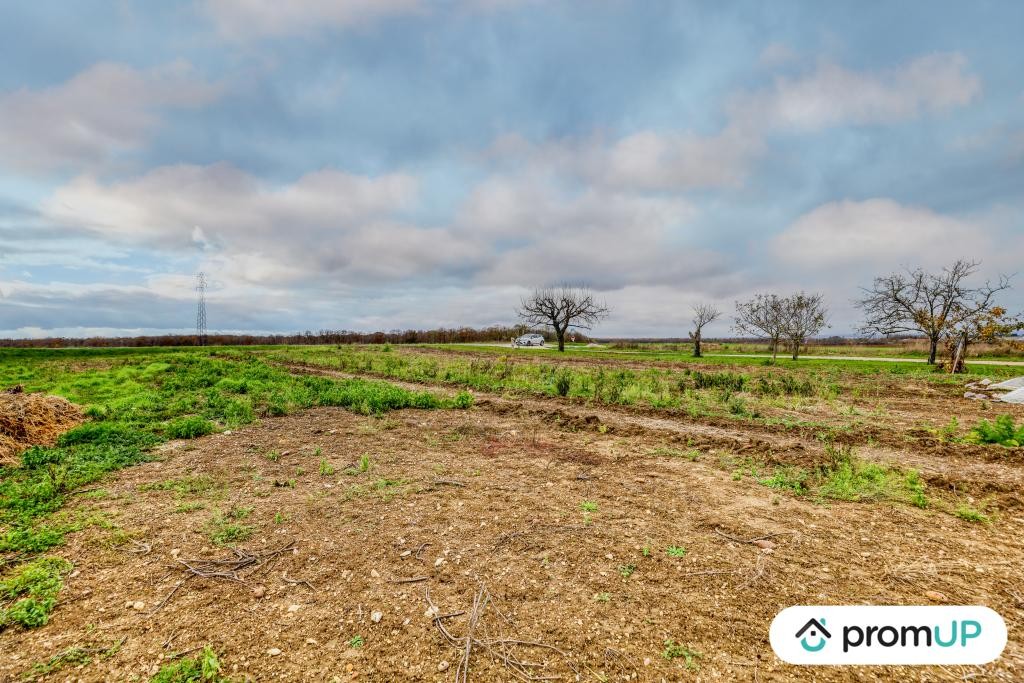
{"x":828,"y":96}
{"x":832,"y":95}
{"x":879,"y":232}
{"x":100,"y":112}
{"x":326,"y":223}
{"x":242,"y":19}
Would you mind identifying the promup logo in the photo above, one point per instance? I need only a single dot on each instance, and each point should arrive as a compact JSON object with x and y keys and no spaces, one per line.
{"x":888,"y":635}
{"x":817,"y":629}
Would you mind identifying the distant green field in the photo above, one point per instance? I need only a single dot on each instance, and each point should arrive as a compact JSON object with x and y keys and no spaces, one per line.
{"x":911,"y":367}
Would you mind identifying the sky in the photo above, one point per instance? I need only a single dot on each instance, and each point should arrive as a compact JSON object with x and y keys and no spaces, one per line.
{"x":389,"y":164}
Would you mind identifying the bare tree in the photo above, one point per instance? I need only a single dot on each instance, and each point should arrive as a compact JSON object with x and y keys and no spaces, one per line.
{"x":703,"y":314}
{"x":803,"y":316}
{"x":762,"y":317}
{"x":926,"y":303}
{"x":562,"y":308}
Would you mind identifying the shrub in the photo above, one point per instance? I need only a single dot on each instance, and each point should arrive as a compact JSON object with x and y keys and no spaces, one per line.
{"x":1002,"y":432}
{"x":563,"y":382}
{"x":718,"y":380}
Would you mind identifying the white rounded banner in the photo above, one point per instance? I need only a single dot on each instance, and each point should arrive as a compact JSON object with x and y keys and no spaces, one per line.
{"x":862,"y":634}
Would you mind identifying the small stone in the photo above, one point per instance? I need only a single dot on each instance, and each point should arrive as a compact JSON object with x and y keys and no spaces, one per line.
{"x":407,"y":553}
{"x":374,"y":574}
{"x":935,"y":596}
{"x":175,"y":552}
{"x":274,"y":651}
{"x":438,"y":562}
{"x":293,"y":608}
{"x":259,"y":591}
{"x":432,"y":612}
{"x":139,"y":605}
{"x":376,"y":616}
{"x":311,"y":641}
{"x":443,"y":665}
{"x":647,"y":661}
{"x":764,"y":544}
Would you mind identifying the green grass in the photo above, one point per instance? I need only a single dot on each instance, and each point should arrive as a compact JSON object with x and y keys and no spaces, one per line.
{"x":29,"y":593}
{"x":135,"y":399}
{"x":970,"y":514}
{"x":675,"y":551}
{"x":204,"y":667}
{"x":845,"y":477}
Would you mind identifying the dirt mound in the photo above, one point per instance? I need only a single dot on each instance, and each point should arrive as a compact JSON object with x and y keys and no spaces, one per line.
{"x":31,"y":420}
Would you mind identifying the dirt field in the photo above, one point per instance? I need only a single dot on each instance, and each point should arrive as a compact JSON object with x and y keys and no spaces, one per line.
{"x":541,"y":526}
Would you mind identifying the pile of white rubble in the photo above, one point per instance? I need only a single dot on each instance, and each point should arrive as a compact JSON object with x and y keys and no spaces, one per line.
{"x":986,"y":390}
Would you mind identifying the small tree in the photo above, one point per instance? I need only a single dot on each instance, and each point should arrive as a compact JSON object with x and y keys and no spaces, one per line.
{"x":980,"y":326}
{"x":762,"y":317}
{"x":803,"y":316}
{"x":562,"y":308}
{"x":703,"y":314}
{"x":928,"y":303}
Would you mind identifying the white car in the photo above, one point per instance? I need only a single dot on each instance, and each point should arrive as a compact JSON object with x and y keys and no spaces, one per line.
{"x":530,"y":340}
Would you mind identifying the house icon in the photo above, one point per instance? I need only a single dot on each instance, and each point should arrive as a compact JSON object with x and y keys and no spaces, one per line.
{"x":817,"y":630}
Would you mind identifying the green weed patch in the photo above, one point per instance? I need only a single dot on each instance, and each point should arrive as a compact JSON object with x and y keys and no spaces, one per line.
{"x":29,"y":594}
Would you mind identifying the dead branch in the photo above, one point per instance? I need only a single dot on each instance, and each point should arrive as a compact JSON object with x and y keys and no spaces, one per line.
{"x":232,"y":569}
{"x":503,"y":649}
{"x":297,"y":582}
{"x":413,"y":579}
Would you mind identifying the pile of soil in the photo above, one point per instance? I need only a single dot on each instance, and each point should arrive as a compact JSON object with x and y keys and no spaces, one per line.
{"x":32,"y":420}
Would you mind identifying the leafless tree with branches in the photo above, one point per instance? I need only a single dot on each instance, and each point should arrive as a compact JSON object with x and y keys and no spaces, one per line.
{"x":761,"y":317}
{"x":928,"y":303}
{"x":703,"y":314}
{"x":562,"y":308}
{"x":803,"y":316}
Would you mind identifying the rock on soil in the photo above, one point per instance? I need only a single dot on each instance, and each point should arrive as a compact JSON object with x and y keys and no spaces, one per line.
{"x":1015,"y":383}
{"x":32,"y":420}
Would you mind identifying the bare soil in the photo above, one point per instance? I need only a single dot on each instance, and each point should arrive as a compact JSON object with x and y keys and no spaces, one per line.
{"x":490,"y":502}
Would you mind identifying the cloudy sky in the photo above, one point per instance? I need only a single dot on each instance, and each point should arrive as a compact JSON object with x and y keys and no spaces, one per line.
{"x":382,"y":164}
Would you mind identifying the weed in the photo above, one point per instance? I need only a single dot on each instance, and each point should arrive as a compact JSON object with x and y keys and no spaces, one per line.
{"x":31,"y":592}
{"x":326,"y":468}
{"x":970,"y":514}
{"x":675,"y":551}
{"x":361,"y":466}
{"x":1002,"y":431}
{"x":675,"y":650}
{"x":273,"y":456}
{"x":588,"y":506}
{"x":788,"y":478}
{"x":205,"y":667}
{"x":563,"y":382}
{"x":224,"y":529}
{"x":602,"y":597}
{"x":626,"y":570}
{"x":356,"y":641}
{"x":279,"y":518}
{"x":664,"y":451}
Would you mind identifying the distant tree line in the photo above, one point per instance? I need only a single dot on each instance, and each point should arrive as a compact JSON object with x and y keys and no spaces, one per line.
{"x":438,"y":336}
